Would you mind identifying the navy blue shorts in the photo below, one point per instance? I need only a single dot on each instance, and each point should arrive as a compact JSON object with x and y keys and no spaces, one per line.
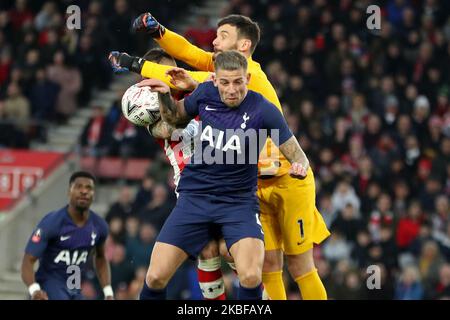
{"x":57,"y":290}
{"x":195,"y":219}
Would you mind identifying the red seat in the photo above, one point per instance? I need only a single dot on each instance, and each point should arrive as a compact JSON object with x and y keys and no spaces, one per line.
{"x":89,"y":164}
{"x":111,"y":168}
{"x":135,"y":169}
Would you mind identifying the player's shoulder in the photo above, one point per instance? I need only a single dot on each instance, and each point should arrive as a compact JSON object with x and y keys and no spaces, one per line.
{"x":207,"y":87}
{"x":55,"y":217}
{"x":254,"y":68}
{"x":259,"y":98}
{"x":99,"y":221}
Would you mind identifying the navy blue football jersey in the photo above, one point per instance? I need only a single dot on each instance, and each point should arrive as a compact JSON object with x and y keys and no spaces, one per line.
{"x":229,"y":140}
{"x":59,"y":243}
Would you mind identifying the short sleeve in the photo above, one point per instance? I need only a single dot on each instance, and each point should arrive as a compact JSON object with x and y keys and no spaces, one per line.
{"x":40,"y":238}
{"x":275,"y":123}
{"x":191,"y":102}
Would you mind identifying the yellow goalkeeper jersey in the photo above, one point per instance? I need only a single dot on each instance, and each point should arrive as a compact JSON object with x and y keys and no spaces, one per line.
{"x":271,"y":161}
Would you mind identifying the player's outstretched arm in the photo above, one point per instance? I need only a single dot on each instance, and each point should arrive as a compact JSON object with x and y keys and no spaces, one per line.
{"x":103,"y":271}
{"x":122,"y":62}
{"x":296,"y":156}
{"x":172,"y":112}
{"x":174,"y":44}
{"x":27,"y":271}
{"x":288,"y":144}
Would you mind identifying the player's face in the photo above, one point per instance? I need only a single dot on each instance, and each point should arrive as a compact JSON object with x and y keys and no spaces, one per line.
{"x":232,"y":85}
{"x":81,"y":193}
{"x":226,"y":39}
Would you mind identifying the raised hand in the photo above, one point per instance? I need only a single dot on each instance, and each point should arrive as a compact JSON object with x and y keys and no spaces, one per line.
{"x":181,"y":79}
{"x":155,"y":85}
{"x":147,"y":23}
{"x":297,"y":170}
{"x":114,"y":60}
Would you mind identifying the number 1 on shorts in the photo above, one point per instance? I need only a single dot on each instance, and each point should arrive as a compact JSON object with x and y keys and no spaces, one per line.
{"x":300,"y":222}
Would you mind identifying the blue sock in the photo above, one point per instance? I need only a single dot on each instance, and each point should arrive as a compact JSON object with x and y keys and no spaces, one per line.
{"x":250,"y":293}
{"x":152,"y":294}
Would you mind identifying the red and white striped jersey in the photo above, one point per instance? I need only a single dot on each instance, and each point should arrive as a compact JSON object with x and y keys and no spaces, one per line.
{"x":180,"y":150}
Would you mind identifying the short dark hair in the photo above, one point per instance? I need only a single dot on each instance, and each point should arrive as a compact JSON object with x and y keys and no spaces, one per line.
{"x":156,"y":55}
{"x":246,"y":28}
{"x":230,"y":60}
{"x":82,"y":174}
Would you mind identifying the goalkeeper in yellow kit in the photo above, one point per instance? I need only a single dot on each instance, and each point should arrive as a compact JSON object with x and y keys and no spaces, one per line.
{"x":290,"y":220}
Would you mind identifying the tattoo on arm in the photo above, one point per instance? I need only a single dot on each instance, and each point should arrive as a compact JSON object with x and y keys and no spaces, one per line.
{"x":162,"y":130}
{"x":169,"y":110}
{"x":293,"y":152}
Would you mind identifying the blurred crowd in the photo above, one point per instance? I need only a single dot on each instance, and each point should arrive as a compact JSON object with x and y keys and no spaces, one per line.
{"x":369,"y":107}
{"x":48,"y":71}
{"x":371,"y":110}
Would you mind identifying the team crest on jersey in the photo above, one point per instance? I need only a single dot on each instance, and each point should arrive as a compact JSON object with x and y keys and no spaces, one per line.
{"x":93,"y":236}
{"x":245,"y":117}
{"x":36,"y":236}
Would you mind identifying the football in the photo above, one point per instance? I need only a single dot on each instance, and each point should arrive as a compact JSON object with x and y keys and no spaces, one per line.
{"x":140,"y":105}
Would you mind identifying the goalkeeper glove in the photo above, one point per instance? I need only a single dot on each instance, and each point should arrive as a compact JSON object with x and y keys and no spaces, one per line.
{"x":147,"y":23}
{"x":122,"y":62}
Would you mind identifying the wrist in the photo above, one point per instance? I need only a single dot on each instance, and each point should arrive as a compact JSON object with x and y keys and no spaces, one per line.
{"x":159,"y":32}
{"x":108,"y":291}
{"x":134,"y":64}
{"x":33,"y":288}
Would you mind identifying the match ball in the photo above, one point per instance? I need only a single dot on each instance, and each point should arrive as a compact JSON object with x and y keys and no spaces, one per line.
{"x":140,"y":106}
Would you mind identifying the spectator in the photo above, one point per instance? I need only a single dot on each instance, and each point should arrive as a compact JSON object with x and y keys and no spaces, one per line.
{"x":95,"y":136}
{"x":17,"y":106}
{"x":381,"y":216}
{"x":122,"y":208}
{"x":336,"y":248}
{"x":441,"y":217}
{"x":430,"y":261}
{"x":139,"y":250}
{"x":409,"y":286}
{"x":158,"y":209}
{"x":121,"y":21}
{"x":144,"y":193}
{"x":442,"y":289}
{"x":408,"y":227}
{"x":69,"y":80}
{"x":343,"y":195}
{"x":348,"y":222}
{"x":202,"y":34}
{"x":121,"y":269}
{"x":352,"y":288}
{"x":11,"y":136}
{"x":43,"y":95}
{"x":360,"y":251}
